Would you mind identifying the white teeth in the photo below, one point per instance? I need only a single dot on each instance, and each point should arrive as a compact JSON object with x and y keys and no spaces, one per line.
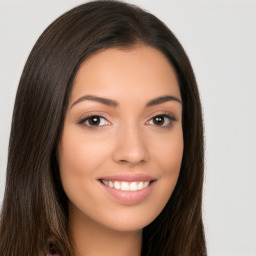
{"x":133,"y":186}
{"x":117,"y":185}
{"x":145,"y":184}
{"x":106,"y":182}
{"x":126,"y":186}
{"x":140,"y":185}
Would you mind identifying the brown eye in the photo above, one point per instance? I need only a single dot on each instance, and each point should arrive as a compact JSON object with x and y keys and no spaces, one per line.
{"x":158,"y":120}
{"x":162,"y":121}
{"x":94,"y":120}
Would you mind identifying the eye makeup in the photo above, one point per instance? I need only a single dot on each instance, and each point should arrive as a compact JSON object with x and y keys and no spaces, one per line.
{"x":96,"y":121}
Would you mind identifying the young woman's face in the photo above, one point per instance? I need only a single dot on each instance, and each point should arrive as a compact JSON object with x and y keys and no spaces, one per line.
{"x":122,"y":143}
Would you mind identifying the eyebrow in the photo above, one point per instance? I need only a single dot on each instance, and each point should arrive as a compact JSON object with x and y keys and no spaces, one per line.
{"x":162,"y":99}
{"x":105,"y":101}
{"x":113,"y":103}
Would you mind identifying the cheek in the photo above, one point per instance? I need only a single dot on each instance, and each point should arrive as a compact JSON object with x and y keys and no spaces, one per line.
{"x":168,"y":151}
{"x":77,"y":164}
{"x":77,"y":153}
{"x":171,"y":157}
{"x":167,"y":157}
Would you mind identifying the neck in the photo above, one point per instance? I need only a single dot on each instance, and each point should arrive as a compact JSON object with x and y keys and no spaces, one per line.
{"x":93,"y":239}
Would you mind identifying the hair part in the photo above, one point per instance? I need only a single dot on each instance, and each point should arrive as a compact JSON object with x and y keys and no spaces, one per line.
{"x":35,"y":208}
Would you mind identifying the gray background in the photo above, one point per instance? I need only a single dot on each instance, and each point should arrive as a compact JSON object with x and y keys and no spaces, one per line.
{"x":220,"y":39}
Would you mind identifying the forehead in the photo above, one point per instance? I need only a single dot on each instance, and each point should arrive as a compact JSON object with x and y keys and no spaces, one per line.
{"x":141,"y":70}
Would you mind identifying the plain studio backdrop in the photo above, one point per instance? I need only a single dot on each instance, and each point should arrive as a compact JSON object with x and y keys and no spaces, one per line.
{"x":220,"y":39}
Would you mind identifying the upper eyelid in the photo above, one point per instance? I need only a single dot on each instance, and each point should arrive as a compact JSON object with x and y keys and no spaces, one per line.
{"x":91,"y":114}
{"x":92,"y":127}
{"x":170,"y":117}
{"x":163,"y":113}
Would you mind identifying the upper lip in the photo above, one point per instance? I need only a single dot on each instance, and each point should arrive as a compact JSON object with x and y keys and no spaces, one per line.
{"x":128,"y":177}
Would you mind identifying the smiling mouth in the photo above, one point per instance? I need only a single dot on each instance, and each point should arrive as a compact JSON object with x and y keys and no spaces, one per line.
{"x":126,"y":186}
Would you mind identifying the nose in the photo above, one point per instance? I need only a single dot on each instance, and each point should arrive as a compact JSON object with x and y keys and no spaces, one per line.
{"x":130,"y":146}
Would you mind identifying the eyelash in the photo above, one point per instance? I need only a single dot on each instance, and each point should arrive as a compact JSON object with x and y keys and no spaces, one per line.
{"x":170,"y":118}
{"x":88,"y":118}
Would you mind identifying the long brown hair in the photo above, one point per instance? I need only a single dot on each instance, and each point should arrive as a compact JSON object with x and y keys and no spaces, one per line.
{"x":35,"y":213}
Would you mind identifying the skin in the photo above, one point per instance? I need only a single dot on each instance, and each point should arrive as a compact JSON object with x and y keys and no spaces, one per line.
{"x":126,"y":139}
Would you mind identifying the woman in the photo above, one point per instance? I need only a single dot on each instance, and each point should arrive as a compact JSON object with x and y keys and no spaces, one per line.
{"x":106,"y":147}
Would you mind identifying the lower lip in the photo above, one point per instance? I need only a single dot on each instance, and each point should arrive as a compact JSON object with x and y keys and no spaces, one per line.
{"x":129,"y":197}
